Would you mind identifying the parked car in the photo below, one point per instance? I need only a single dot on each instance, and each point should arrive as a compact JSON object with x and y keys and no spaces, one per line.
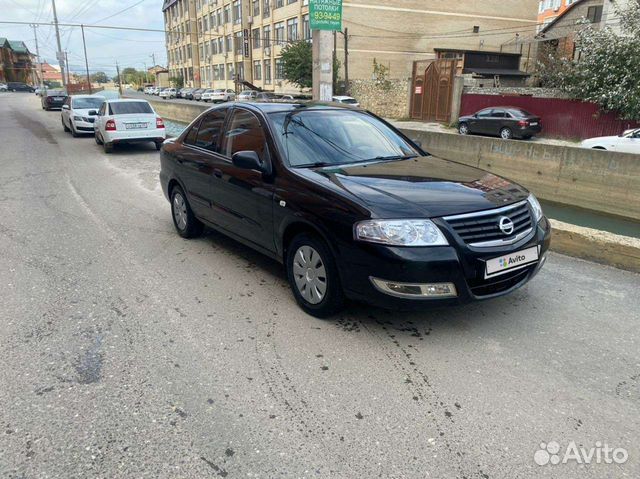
{"x":209,"y":95}
{"x":247,"y":95}
{"x":168,"y":93}
{"x":79,"y":113}
{"x":156,"y":91}
{"x":506,"y":122}
{"x":221,"y":95}
{"x":186,"y":92}
{"x":4,"y":87}
{"x":626,"y":142}
{"x":19,"y":86}
{"x":352,"y":207}
{"x":38,"y":91}
{"x":53,"y":99}
{"x":267,"y":96}
{"x":179,"y":93}
{"x":197,"y":95}
{"x":147,"y":90}
{"x":346,"y":100}
{"x":128,"y":121}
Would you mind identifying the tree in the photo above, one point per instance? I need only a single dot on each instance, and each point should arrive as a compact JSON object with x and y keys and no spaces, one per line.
{"x":177,"y":82}
{"x":607,"y":68}
{"x":297,"y":58}
{"x":99,"y":77}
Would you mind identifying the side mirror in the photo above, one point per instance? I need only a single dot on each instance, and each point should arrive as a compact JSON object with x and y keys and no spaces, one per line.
{"x":247,"y":160}
{"x":93,"y":113}
{"x":65,"y":107}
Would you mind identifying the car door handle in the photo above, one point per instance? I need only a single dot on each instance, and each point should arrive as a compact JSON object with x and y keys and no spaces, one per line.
{"x":217,"y":172}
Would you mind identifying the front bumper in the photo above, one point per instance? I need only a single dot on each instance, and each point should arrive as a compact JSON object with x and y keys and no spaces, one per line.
{"x":457,"y":264}
{"x":83,"y":126}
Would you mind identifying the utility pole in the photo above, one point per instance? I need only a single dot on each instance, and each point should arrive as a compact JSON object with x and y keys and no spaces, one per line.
{"x":346,"y":59}
{"x":119,"y":79}
{"x":153,"y":58}
{"x":322,"y":66}
{"x":66,"y":62}
{"x":86,"y":61}
{"x":146,"y":73}
{"x":335,"y":56}
{"x":59,"y":54}
{"x":35,"y":35}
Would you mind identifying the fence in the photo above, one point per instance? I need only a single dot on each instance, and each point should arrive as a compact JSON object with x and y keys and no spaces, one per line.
{"x":561,"y":118}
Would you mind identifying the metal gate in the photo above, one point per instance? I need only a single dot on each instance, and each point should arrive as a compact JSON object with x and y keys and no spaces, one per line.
{"x":431,"y":90}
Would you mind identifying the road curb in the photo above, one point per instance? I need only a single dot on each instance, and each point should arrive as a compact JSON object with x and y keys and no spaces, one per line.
{"x":594,"y":245}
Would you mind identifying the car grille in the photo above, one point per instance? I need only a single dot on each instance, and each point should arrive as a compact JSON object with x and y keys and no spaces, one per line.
{"x":499,"y":284}
{"x":481,"y":229}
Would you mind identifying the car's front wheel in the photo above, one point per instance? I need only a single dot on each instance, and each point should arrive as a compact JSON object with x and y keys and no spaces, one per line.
{"x":506,"y":133}
{"x":186,"y":223}
{"x":313,"y":276}
{"x":463,"y":129}
{"x":65,"y":127}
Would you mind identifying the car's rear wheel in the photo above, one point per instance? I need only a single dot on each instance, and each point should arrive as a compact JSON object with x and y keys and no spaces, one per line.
{"x":506,"y":133}
{"x":187,"y":225}
{"x":463,"y":129}
{"x":108,"y":147}
{"x":158,"y":145}
{"x":313,"y":276}
{"x":97,"y":138}
{"x":65,"y":127}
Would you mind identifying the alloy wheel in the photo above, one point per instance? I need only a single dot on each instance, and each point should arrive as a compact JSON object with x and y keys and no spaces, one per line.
{"x":309,"y":274}
{"x":180,"y":211}
{"x":464,"y":129}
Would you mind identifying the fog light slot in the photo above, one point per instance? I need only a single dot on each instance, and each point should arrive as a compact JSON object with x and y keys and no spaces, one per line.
{"x":415,"y":290}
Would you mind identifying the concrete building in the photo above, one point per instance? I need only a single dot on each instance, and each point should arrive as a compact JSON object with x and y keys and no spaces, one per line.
{"x":50,"y":73}
{"x":211,"y":43}
{"x":549,"y":10}
{"x":17,"y":62}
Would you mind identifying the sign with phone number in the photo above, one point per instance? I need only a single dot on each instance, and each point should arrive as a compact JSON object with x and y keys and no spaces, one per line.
{"x":325,"y":14}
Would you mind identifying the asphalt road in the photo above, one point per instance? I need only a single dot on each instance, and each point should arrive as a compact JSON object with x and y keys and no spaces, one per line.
{"x":128,"y":352}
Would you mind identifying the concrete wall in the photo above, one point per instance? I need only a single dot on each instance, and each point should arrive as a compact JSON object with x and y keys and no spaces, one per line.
{"x":182,"y":112}
{"x":597,"y":180}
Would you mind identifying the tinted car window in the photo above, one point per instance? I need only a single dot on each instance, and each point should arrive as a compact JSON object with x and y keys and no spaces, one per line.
{"x":130,"y":107}
{"x":190,"y":138}
{"x":484,"y":114}
{"x":87,"y":103}
{"x":56,"y":93}
{"x":336,"y":137}
{"x":519,"y":113}
{"x":244,"y":134}
{"x":209,"y":130}
{"x":498,"y":114}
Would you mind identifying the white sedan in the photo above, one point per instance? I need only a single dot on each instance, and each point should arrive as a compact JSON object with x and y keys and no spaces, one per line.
{"x":128,"y":121}
{"x":627,"y":142}
{"x":168,"y":93}
{"x":346,"y":100}
{"x":79,"y":113}
{"x":219,"y":95}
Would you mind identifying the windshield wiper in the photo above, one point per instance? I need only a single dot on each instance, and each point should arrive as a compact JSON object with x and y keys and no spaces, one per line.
{"x":392,"y":157}
{"x":317,"y":164}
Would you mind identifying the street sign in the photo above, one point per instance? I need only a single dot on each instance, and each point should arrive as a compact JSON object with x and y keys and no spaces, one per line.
{"x":325,"y":14}
{"x":245,"y":43}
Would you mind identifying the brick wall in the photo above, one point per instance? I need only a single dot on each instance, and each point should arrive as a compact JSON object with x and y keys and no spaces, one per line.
{"x":389,"y":99}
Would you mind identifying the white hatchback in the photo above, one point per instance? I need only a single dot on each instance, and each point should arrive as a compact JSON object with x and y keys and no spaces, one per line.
{"x":627,"y":142}
{"x":128,"y":121}
{"x":79,"y":113}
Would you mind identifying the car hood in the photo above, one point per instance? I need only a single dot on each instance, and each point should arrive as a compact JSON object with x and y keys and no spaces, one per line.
{"x":426,"y":186}
{"x":600,"y":139}
{"x":83,"y":111}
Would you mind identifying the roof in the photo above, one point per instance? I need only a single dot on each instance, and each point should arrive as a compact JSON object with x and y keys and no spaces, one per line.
{"x":497,"y":71}
{"x":283,"y":106}
{"x":167,"y":4}
{"x":126,"y":100}
{"x":555,"y":20}
{"x":3,"y":40}
{"x":18,"y":46}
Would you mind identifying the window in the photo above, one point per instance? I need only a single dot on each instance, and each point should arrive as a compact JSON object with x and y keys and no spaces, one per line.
{"x":266,"y":8}
{"x":256,"y":8}
{"x":279,"y":31}
{"x":85,"y":103}
{"x":267,"y":72}
{"x":238,"y":41}
{"x":278,"y":3}
{"x":230,"y":71}
{"x":219,"y":17}
{"x":240,"y":70}
{"x":256,"y":37}
{"x":257,"y":70}
{"x":306,"y":28}
{"x":227,"y":13}
{"x":237,"y":12}
{"x":190,"y":138}
{"x":484,"y":114}
{"x":594,"y":14}
{"x":244,"y":134}
{"x":229,"y":44}
{"x":498,"y":114}
{"x":289,"y":2}
{"x":292,"y":29}
{"x":266,"y":36}
{"x":129,"y":107}
{"x":279,"y":69}
{"x":210,"y":129}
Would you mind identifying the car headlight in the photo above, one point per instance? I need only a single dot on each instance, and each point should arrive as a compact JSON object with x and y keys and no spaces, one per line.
{"x":77,"y":118}
{"x":400,"y":232}
{"x":535,"y":207}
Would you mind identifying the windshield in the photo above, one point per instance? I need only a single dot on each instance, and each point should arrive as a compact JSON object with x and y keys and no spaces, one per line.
{"x":336,"y":137}
{"x":87,"y":103}
{"x":130,"y":107}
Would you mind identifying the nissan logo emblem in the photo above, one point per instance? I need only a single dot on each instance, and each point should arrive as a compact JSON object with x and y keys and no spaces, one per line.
{"x":506,"y":225}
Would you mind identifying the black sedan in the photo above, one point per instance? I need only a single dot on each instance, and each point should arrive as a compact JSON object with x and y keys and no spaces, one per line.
{"x":505,"y":122}
{"x":352,"y":207}
{"x":53,"y":99}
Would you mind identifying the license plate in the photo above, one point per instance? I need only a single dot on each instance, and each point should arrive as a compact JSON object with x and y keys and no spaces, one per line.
{"x":135,"y":126}
{"x":535,"y":123}
{"x":509,"y":262}
{"x":58,"y":98}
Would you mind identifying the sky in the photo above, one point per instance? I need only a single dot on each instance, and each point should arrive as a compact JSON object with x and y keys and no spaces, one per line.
{"x":104,"y":47}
